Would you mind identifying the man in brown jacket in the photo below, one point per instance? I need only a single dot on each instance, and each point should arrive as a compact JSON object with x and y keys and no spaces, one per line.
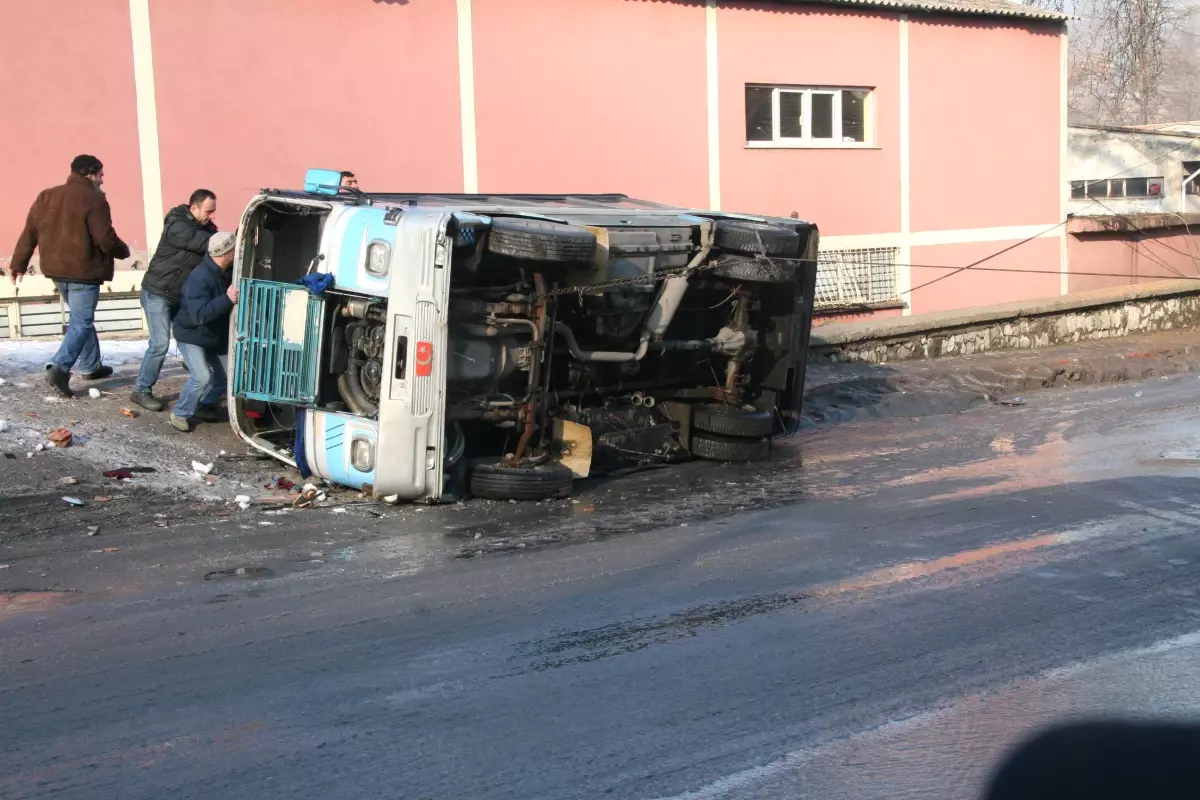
{"x":72,"y":227}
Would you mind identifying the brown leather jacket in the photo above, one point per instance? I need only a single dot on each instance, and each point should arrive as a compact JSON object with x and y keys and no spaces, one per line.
{"x":72,"y":227}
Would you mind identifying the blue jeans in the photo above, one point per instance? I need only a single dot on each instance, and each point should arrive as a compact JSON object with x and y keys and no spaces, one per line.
{"x":206,"y":379}
{"x":79,"y":345}
{"x":160,"y":314}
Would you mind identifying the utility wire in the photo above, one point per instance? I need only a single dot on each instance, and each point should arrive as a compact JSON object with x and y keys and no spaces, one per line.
{"x":986,"y":258}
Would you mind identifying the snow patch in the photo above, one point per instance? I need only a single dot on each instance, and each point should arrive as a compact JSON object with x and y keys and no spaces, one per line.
{"x":23,"y":356}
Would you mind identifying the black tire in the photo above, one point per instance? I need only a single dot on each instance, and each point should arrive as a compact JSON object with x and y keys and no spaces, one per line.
{"x":711,"y":447}
{"x":755,"y":238}
{"x":730,"y":421}
{"x":756,"y":270}
{"x":543,"y":482}
{"x":541,"y":241}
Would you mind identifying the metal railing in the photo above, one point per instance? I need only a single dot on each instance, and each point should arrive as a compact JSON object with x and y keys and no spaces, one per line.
{"x":856,"y":277}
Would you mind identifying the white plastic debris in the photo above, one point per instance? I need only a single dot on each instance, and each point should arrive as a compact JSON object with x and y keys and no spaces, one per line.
{"x":203,"y":469}
{"x":4,"y":426}
{"x":74,"y":501}
{"x":2,"y":381}
{"x":94,"y":393}
{"x":39,"y":447}
{"x":243,"y":501}
{"x":339,"y":510}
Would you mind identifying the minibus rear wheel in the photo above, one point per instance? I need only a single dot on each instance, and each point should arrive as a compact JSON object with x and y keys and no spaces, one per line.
{"x":494,"y":481}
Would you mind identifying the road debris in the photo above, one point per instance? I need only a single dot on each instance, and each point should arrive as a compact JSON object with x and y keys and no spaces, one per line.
{"x":101,"y":498}
{"x":74,"y":501}
{"x":202,"y":469}
{"x":94,"y":393}
{"x":243,"y":501}
{"x":68,"y":481}
{"x":119,"y":474}
{"x":61,"y":437}
{"x":107,"y":550}
{"x":4,"y":426}
{"x":93,"y":530}
{"x":129,"y":412}
{"x":307,"y":497}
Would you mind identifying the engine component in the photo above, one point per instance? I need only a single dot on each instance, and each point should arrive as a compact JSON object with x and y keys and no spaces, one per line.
{"x":370,"y":375}
{"x":476,"y":360}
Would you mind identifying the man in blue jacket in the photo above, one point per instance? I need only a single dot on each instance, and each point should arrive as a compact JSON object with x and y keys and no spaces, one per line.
{"x":202,"y":331}
{"x":184,"y":242}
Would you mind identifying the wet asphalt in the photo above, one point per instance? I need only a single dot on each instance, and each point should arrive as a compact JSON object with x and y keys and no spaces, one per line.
{"x":878,"y":612}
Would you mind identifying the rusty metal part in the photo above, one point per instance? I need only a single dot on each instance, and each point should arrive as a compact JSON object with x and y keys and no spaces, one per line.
{"x":526,"y":434}
{"x":739,"y":324}
{"x":535,"y":367}
{"x":470,"y":306}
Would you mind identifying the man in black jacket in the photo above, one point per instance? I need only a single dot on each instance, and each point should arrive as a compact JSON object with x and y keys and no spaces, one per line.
{"x":184,"y":242}
{"x":202,"y":330}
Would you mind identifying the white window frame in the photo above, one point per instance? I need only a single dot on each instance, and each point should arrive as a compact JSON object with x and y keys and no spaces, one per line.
{"x":807,"y":141}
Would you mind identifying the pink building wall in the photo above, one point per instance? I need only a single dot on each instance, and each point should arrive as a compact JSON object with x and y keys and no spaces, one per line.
{"x":591,"y":96}
{"x":844,"y":190}
{"x":985,"y":125}
{"x":250,"y":94}
{"x":937,"y":287}
{"x":1103,"y":260}
{"x":65,"y":94}
{"x":579,"y":96}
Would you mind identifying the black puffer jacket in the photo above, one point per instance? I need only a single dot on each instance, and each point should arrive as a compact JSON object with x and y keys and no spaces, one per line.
{"x":183,"y":245}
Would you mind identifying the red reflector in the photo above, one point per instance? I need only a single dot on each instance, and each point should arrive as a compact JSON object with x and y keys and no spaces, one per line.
{"x":424,"y":359}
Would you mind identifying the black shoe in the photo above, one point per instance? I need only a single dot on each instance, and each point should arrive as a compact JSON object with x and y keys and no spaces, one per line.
{"x":147,"y":401}
{"x":207,"y":414}
{"x":100,"y":373}
{"x":60,"y":382}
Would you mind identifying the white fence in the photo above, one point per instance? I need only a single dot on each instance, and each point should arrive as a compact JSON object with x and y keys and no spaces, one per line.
{"x":115,"y":313}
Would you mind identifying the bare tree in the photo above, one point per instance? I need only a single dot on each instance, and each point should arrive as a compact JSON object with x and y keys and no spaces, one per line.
{"x":1126,"y":59}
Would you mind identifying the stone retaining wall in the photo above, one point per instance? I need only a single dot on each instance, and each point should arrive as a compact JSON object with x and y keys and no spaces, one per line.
{"x":1087,"y":316}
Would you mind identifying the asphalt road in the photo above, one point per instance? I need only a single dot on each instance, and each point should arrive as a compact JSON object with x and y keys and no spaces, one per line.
{"x":877,"y":613}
